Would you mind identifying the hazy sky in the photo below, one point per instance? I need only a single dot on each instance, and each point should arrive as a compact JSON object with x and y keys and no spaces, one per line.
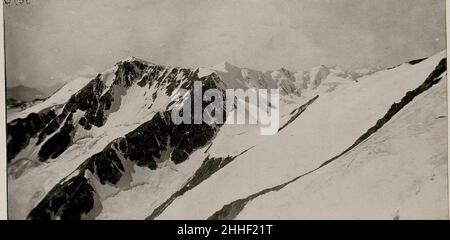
{"x":54,"y":40}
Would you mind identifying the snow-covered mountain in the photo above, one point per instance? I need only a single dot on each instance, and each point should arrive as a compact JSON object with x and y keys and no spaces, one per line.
{"x":50,"y":90}
{"x":351,"y":144}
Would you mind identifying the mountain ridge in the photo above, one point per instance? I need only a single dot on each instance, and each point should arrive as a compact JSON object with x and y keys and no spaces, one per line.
{"x":111,"y":135}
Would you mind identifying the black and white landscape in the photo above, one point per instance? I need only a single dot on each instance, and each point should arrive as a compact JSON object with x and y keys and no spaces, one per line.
{"x":353,"y":143}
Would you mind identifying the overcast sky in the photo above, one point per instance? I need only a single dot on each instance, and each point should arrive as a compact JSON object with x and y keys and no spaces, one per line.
{"x":54,"y":40}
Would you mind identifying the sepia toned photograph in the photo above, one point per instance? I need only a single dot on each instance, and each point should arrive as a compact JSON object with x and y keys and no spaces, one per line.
{"x":226,"y":110}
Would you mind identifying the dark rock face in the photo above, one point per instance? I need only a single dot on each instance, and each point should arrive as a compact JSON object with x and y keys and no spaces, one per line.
{"x":145,"y":144}
{"x":128,"y":71}
{"x":416,"y":61}
{"x":107,"y":165}
{"x":49,"y":129}
{"x":57,"y":144}
{"x":20,"y":131}
{"x":142,"y":146}
{"x":61,"y":203}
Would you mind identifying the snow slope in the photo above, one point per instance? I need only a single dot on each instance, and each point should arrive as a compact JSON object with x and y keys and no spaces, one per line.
{"x":328,"y":126}
{"x":395,"y":174}
{"x":60,"y":97}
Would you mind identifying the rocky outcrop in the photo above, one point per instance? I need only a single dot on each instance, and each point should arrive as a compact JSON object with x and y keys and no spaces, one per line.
{"x":20,"y":131}
{"x":142,"y":146}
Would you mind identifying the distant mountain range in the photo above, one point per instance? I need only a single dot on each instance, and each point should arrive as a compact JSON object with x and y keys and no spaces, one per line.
{"x":24,"y":93}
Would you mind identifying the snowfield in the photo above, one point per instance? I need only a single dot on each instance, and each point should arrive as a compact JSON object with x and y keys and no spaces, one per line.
{"x":396,"y":174}
{"x":330,"y":125}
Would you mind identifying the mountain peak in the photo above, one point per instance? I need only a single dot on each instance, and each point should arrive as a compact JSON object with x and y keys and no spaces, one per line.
{"x":224,"y":67}
{"x":133,"y":58}
{"x":285,"y":71}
